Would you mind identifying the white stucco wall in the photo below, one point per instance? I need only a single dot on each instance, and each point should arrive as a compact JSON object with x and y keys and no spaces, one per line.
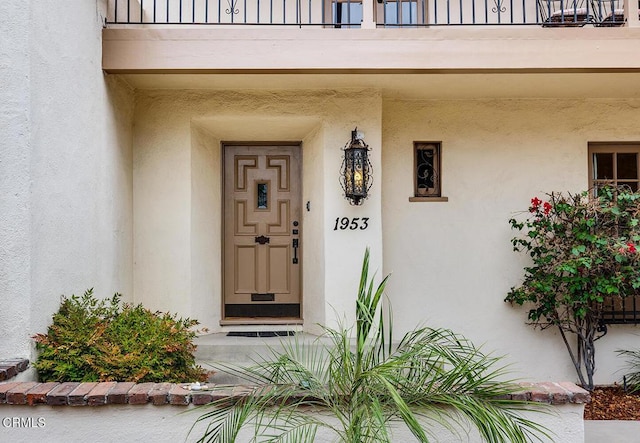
{"x":87,"y":201}
{"x":15,"y":158}
{"x":314,"y":307}
{"x":452,"y":262}
{"x":65,"y":209}
{"x":205,"y":207}
{"x":171,"y":165}
{"x":143,"y":423}
{"x":344,"y":249}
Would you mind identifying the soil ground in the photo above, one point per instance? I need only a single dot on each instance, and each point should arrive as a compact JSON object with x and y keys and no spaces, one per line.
{"x":612,"y":403}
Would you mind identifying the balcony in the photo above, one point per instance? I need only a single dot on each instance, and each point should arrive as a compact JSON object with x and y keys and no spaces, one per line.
{"x":374,"y":13}
{"x":504,"y":49}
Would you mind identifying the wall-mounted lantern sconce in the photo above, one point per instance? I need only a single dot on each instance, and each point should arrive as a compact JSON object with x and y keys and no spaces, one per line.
{"x":355,"y":174}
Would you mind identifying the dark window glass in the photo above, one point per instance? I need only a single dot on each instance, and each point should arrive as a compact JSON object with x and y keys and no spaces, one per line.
{"x":426,"y":169}
{"x":427,"y":173}
{"x":603,"y":166}
{"x":263,"y":192}
{"x":627,"y":166}
{"x":616,"y":165}
{"x":632,"y":185}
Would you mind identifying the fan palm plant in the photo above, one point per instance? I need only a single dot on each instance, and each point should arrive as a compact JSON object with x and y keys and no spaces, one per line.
{"x":631,"y":380}
{"x":432,"y":376}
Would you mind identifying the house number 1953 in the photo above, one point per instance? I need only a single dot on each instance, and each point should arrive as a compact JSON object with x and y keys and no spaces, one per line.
{"x":343,"y":223}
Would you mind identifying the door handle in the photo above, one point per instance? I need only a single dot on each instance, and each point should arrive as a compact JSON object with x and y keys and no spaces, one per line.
{"x":262,"y":240}
{"x":295,"y":251}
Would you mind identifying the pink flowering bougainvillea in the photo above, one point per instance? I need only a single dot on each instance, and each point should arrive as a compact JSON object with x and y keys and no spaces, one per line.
{"x":535,"y":204}
{"x":583,"y":251}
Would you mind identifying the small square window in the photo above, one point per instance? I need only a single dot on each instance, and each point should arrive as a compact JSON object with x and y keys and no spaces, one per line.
{"x":614,"y":165}
{"x":427,"y":171}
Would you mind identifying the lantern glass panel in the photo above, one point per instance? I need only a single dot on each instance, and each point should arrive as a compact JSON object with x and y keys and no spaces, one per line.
{"x":355,"y":175}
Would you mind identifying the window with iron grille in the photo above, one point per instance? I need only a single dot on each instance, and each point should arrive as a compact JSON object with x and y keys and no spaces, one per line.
{"x":621,"y":310}
{"x":612,"y":164}
{"x":427,"y":169}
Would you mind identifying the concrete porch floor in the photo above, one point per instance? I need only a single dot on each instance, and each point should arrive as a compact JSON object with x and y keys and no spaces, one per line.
{"x":244,"y":351}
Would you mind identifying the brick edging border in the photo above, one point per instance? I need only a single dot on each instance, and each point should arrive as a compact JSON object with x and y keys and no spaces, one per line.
{"x":9,"y":368}
{"x":106,"y":393}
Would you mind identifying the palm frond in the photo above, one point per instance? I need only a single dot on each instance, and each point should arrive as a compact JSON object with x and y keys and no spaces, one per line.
{"x":367,"y":384}
{"x":404,"y":411}
{"x":294,"y":434}
{"x":226,"y":418}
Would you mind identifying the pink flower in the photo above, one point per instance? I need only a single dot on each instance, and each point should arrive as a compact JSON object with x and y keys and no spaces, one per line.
{"x":535,"y":204}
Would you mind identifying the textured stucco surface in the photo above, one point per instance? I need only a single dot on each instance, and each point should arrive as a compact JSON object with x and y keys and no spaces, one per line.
{"x":452,"y":262}
{"x":375,"y":50}
{"x":65,"y":205}
{"x":99,"y":191}
{"x":15,"y":157}
{"x":145,"y":423}
{"x":177,"y":206}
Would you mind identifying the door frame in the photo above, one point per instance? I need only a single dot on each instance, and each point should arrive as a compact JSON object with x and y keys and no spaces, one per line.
{"x":257,"y":320}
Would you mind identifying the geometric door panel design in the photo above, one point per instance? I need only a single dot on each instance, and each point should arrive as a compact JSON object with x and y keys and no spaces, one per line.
{"x":282,"y":223}
{"x":282,"y":166}
{"x":262,"y":215}
{"x":242,"y":225}
{"x":242,"y":164}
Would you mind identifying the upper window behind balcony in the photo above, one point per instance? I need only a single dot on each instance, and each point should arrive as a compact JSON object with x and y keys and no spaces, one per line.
{"x":401,"y":13}
{"x":347,"y":13}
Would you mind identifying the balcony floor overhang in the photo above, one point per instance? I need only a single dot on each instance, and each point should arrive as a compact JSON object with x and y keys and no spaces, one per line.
{"x":211,"y":50}
{"x":407,"y":63}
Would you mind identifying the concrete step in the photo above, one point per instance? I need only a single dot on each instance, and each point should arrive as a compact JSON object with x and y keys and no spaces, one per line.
{"x":221,"y":349}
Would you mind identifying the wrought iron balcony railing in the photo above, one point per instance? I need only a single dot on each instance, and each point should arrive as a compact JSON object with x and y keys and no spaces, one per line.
{"x":377,"y":13}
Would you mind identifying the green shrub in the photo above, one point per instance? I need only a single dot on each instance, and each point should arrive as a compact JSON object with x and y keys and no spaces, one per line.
{"x":104,"y":340}
{"x":584,"y":250}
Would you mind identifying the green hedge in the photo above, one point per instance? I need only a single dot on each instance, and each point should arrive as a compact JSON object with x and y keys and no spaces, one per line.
{"x":104,"y":340}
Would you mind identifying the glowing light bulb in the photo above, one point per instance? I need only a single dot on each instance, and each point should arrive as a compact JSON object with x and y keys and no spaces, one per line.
{"x":357,"y":178}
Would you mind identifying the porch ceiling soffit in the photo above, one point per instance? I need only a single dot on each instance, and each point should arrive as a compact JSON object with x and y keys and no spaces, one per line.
{"x":378,"y":51}
{"x":576,"y":85}
{"x":247,"y":127}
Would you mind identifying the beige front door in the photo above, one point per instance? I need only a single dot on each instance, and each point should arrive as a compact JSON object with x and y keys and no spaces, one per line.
{"x":262,"y":231}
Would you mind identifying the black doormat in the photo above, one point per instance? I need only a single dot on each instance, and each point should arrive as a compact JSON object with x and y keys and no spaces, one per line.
{"x":261,"y":334}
